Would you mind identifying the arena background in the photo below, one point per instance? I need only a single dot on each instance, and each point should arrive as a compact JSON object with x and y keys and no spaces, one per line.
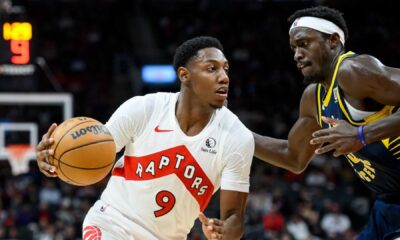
{"x":91,"y":53}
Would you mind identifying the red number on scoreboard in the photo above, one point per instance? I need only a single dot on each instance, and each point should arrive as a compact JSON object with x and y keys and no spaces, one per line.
{"x":20,"y":49}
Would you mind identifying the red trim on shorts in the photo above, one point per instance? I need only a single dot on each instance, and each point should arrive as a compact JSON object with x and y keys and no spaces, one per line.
{"x":91,"y":233}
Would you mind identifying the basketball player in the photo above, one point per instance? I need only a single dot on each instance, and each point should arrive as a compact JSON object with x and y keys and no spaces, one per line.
{"x":180,"y":148}
{"x":355,"y":100}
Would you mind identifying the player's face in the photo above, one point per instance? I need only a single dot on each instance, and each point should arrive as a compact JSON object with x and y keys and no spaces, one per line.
{"x":310,"y":53}
{"x":209,"y":79}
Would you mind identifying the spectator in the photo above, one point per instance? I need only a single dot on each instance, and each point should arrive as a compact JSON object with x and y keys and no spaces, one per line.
{"x":334,"y":222}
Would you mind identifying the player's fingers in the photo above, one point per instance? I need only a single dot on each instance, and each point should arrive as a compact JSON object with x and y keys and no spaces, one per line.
{"x":44,"y":154}
{"x":47,"y":169}
{"x":203,"y":219}
{"x":46,"y":136}
{"x":45,"y":143}
{"x":214,"y":228}
{"x":338,"y":152}
{"x":49,"y":174}
{"x":326,"y":148}
{"x":216,"y":236}
{"x":216,"y":222}
{"x":46,"y":166}
{"x":40,"y":145}
{"x":52,"y":127}
{"x":322,"y":139}
{"x":41,"y":155}
{"x":322,"y":132}
{"x":51,"y":130}
{"x":43,"y":164}
{"x":331,"y":121}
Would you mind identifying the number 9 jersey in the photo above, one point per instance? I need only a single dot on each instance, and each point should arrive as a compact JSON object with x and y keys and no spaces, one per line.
{"x":165,"y":177}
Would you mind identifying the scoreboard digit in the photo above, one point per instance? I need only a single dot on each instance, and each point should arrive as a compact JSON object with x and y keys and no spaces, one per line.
{"x":15,"y":49}
{"x":19,"y":34}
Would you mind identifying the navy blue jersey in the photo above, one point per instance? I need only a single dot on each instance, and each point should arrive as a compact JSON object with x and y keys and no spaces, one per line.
{"x":378,"y":163}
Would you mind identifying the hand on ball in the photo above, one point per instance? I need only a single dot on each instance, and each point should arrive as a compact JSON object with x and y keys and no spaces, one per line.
{"x":80,"y":151}
{"x":43,"y":152}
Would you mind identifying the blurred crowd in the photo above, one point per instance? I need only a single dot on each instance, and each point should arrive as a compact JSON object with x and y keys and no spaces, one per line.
{"x":94,"y":50}
{"x":324,"y":203}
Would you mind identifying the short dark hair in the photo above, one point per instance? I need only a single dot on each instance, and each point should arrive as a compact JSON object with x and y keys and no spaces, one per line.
{"x":189,"y":48}
{"x":327,"y":13}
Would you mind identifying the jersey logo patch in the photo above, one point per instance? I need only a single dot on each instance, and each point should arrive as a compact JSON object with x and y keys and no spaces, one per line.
{"x":91,"y":233}
{"x":210,"y":144}
{"x":104,"y":207}
{"x":157,"y":129}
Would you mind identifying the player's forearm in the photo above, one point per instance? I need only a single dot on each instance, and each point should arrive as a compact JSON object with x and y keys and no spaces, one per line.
{"x":233,"y":227}
{"x":382,"y":129}
{"x":276,"y":152}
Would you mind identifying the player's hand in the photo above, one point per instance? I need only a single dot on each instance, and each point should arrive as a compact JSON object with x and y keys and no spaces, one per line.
{"x":42,"y":153}
{"x":212,"y":227}
{"x":341,"y":138}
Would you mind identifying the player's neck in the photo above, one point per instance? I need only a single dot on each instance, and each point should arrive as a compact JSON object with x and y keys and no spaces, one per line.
{"x":191,"y":115}
{"x":326,"y":83}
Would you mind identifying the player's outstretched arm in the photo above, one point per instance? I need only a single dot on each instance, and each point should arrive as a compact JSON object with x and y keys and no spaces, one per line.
{"x":296,"y":152}
{"x":364,"y":78}
{"x":43,"y":152}
{"x":231,"y":224}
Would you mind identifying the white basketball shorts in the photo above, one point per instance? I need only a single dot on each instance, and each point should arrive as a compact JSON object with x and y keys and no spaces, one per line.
{"x":106,"y":223}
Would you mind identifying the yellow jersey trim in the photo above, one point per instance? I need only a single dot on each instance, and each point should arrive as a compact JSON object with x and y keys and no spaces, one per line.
{"x":386,"y":143}
{"x":396,"y":154}
{"x":384,"y":112}
{"x":319,"y":105}
{"x":398,"y":145}
{"x":329,"y":92}
{"x":394,"y":140}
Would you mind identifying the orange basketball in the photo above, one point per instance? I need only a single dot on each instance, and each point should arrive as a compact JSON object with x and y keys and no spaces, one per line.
{"x":84,"y":151}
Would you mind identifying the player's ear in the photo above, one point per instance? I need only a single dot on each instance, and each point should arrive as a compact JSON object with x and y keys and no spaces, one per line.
{"x":334,"y":40}
{"x":183,"y":75}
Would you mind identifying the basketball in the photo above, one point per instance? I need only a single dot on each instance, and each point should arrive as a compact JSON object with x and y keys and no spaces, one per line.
{"x":84,"y":151}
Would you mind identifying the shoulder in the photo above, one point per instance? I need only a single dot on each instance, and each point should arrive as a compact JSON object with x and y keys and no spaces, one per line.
{"x":152,"y":99}
{"x":309,"y":92}
{"x":160,"y":96}
{"x":360,"y":68}
{"x":358,"y":75}
{"x":360,"y":64}
{"x":142,"y":98}
{"x":234,"y":127}
{"x":143,"y":106}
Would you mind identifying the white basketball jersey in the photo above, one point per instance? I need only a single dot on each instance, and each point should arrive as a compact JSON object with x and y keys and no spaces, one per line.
{"x":165,"y":177}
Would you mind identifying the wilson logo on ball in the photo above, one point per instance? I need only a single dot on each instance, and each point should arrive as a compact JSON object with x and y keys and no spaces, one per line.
{"x":95,"y":129}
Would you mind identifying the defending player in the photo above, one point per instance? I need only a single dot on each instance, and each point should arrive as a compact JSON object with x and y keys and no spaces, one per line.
{"x":355,"y":98}
{"x":180,"y":148}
